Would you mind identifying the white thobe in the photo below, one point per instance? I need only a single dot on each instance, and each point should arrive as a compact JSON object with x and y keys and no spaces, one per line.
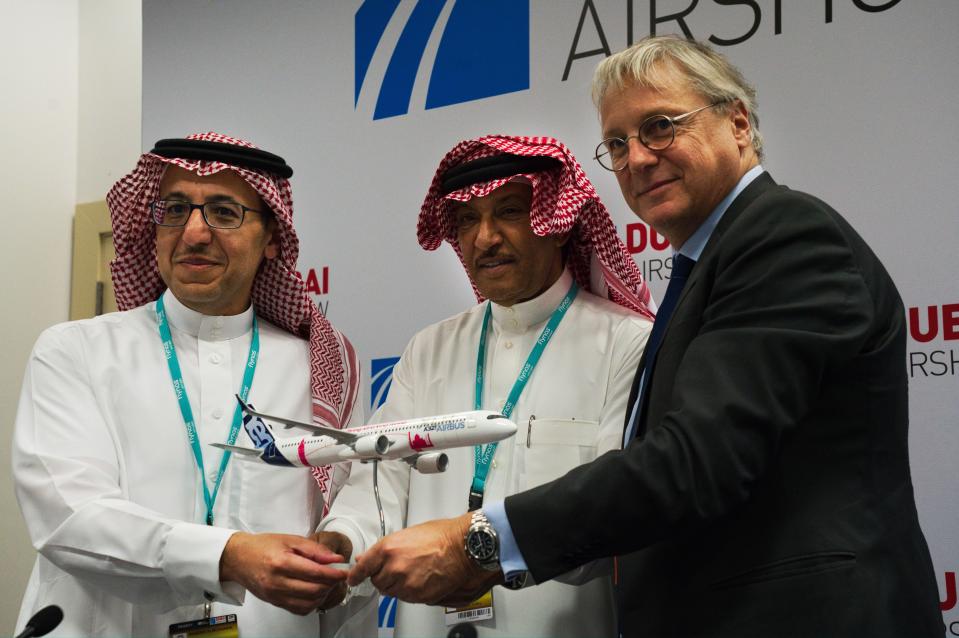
{"x":571,"y":410}
{"x":107,"y":480}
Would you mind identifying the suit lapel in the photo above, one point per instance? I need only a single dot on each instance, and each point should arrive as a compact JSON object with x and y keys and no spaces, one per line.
{"x":751,"y":193}
{"x":757,"y":187}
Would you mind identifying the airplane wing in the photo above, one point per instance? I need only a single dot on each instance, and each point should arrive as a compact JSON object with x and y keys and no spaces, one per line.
{"x":239,"y":449}
{"x":340,"y":436}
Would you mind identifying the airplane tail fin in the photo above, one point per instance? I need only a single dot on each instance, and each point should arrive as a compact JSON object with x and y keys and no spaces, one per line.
{"x":256,"y":428}
{"x":259,"y":432}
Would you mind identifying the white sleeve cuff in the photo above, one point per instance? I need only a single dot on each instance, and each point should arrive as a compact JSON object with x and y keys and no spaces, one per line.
{"x":191,"y":562}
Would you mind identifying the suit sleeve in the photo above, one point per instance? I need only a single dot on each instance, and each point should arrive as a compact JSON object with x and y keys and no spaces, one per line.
{"x":786,"y":303}
{"x":67,"y":478}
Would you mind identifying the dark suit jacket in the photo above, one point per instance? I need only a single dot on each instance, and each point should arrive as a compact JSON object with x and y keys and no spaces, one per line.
{"x":770,"y":493}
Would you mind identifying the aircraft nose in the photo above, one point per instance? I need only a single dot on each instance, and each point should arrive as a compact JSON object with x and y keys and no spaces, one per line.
{"x":503,"y":427}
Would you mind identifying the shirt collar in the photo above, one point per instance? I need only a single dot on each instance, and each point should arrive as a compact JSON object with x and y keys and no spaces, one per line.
{"x":520,"y":317}
{"x":206,"y":327}
{"x":694,"y":246}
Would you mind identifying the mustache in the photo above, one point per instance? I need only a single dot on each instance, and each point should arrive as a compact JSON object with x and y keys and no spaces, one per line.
{"x":190,"y":252}
{"x":496,"y":253}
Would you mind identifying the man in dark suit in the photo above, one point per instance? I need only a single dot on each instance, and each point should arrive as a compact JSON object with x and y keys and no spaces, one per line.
{"x":764,"y":488}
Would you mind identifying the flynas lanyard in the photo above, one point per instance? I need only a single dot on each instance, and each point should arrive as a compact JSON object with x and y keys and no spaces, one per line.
{"x":180,"y":389}
{"x":483,"y":455}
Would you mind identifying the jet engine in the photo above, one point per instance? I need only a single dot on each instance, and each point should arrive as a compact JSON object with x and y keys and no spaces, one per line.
{"x":372,"y":446}
{"x":432,"y":463}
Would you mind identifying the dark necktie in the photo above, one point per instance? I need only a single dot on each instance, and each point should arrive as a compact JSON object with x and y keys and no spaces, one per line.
{"x":682,"y":266}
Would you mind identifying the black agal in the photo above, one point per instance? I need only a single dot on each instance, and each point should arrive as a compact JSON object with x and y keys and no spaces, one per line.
{"x":232,"y":154}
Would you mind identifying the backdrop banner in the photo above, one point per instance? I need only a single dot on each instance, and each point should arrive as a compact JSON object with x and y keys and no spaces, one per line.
{"x":857,"y":103}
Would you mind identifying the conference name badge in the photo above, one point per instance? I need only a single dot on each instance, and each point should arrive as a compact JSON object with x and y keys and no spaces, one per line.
{"x":213,"y":627}
{"x":479,"y":609}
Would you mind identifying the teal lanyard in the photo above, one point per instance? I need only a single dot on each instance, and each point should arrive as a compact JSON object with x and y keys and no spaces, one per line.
{"x":483,"y":455}
{"x":180,"y":389}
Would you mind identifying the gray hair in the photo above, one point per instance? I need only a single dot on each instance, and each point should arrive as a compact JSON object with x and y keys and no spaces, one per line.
{"x":649,"y":63}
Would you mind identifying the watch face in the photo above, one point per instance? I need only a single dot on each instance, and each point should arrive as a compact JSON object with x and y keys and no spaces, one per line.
{"x":481,"y":545}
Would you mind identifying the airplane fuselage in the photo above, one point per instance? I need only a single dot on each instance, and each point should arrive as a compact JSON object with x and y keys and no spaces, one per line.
{"x":392,"y":440}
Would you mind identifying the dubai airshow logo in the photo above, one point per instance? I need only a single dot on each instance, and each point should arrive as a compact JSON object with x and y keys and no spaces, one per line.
{"x":381,"y":377}
{"x":469,"y":63}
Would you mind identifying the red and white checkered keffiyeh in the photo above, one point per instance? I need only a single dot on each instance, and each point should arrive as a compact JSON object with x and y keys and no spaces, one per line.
{"x":279,"y":294}
{"x":563,"y":201}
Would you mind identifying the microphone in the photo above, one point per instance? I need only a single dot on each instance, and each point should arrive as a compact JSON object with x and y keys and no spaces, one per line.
{"x":43,"y":622}
{"x":462,"y":630}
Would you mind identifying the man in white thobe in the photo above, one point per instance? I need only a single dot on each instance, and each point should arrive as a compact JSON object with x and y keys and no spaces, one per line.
{"x":138,"y":523}
{"x":532,"y":235}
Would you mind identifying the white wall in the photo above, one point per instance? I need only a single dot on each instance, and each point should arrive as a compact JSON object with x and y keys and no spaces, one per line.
{"x":111,"y":36}
{"x":69,"y":124}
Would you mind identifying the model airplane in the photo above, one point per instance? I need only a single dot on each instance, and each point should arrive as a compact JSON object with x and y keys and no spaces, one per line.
{"x":416,"y":441}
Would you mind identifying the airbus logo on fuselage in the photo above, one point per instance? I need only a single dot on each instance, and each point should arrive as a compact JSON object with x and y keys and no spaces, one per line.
{"x":444,"y":427}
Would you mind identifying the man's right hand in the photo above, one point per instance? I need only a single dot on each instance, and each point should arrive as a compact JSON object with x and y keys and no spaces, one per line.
{"x":285,"y":570}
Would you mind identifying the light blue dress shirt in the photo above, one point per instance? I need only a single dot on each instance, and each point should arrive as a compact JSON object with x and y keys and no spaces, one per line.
{"x":511,"y":559}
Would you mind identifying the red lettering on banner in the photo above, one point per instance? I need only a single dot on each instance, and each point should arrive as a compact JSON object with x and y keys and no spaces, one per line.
{"x":312,"y":285}
{"x":951,"y":597}
{"x":950,"y":323}
{"x":639,"y":235}
{"x":318,"y":285}
{"x":933,"y":323}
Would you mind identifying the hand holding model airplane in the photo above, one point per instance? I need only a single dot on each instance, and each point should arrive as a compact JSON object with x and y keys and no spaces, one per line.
{"x":416,"y":441}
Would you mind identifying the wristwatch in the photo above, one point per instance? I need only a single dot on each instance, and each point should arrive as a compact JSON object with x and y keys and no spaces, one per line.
{"x":482,"y":543}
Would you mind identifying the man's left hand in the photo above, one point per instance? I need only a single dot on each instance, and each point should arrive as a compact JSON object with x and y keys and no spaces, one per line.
{"x":426,"y":563}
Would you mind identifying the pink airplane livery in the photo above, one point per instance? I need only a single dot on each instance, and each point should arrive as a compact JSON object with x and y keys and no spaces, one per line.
{"x":405,"y":440}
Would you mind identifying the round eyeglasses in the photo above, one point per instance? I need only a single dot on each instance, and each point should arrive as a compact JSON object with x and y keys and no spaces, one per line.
{"x":176,"y":213}
{"x":656,"y":133}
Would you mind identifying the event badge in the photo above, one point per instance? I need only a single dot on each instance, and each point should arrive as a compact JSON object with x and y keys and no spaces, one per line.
{"x":213,"y":627}
{"x":479,"y":609}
